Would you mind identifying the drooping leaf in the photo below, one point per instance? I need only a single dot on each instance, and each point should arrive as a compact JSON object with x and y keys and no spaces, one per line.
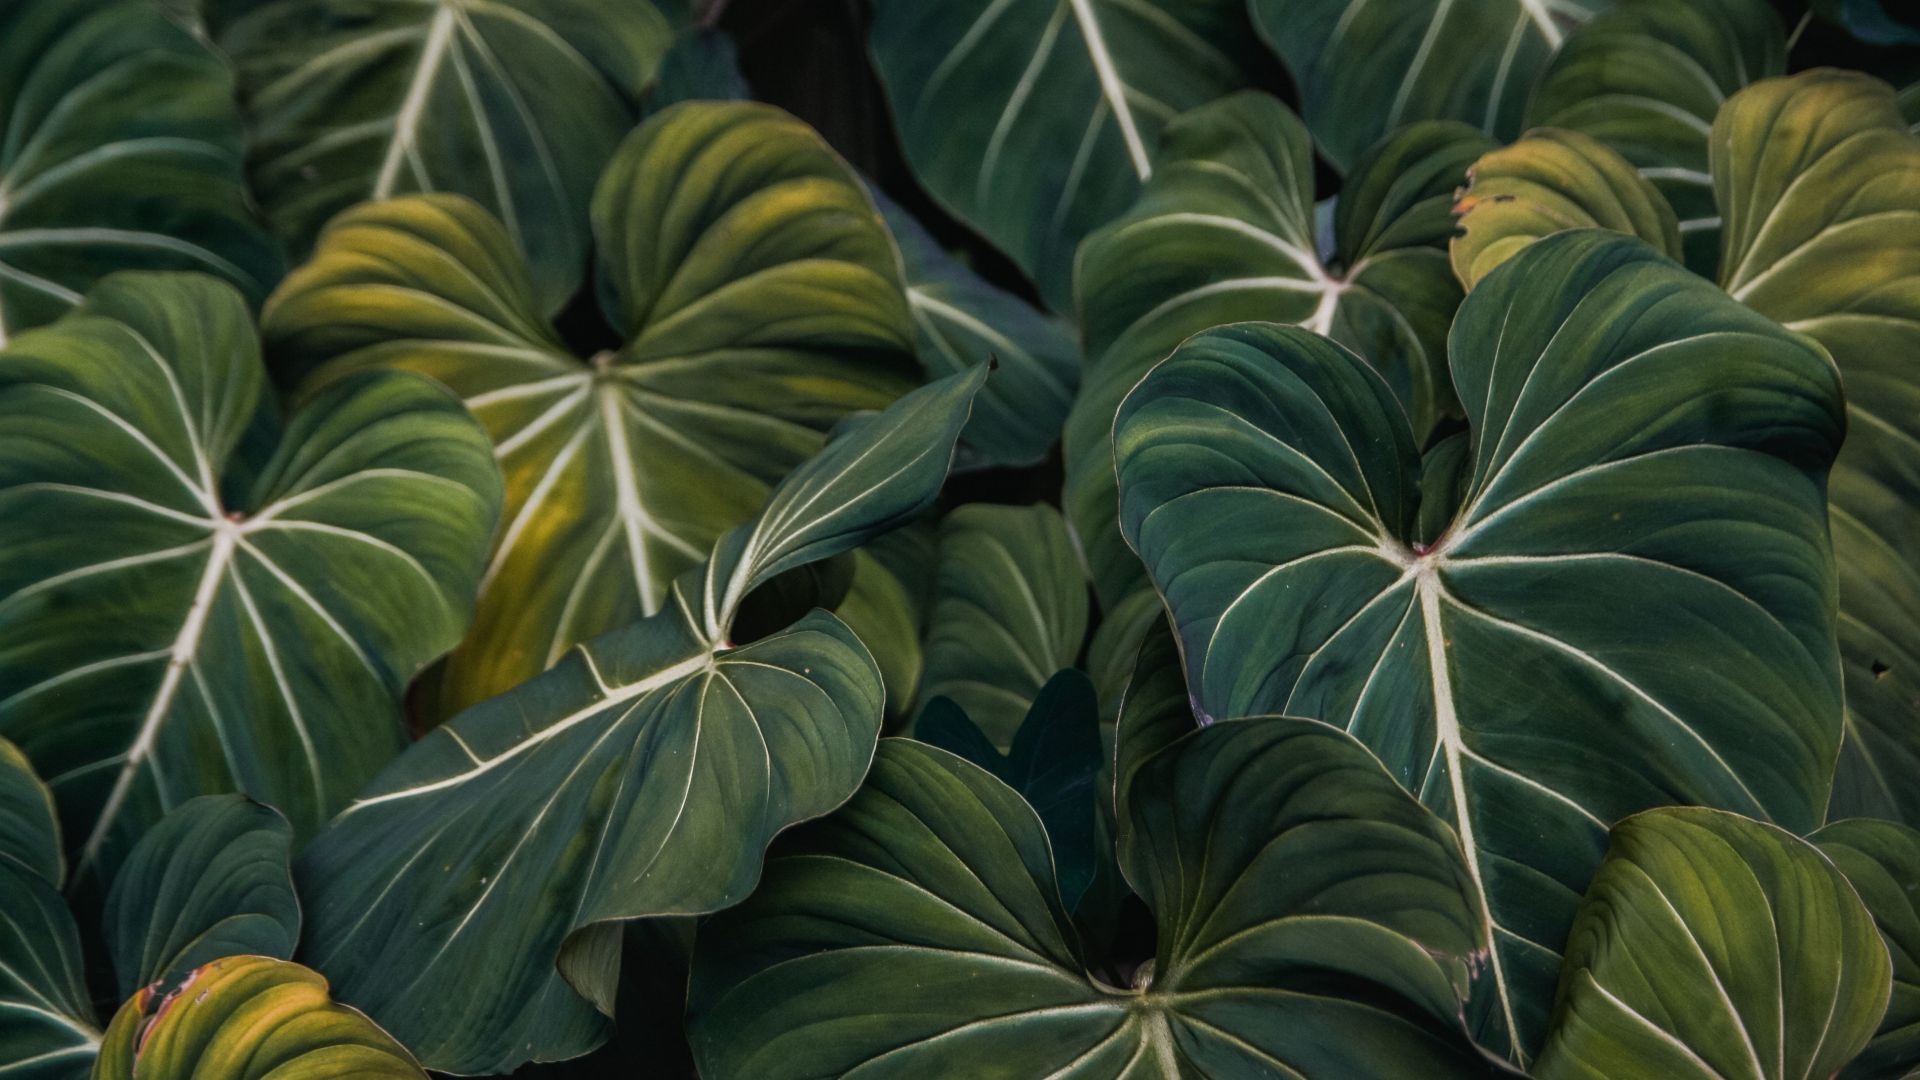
{"x":122,"y":152}
{"x":1367,"y":69}
{"x":1313,"y":922}
{"x":159,"y":640}
{"x":1633,"y":608}
{"x":643,"y":775}
{"x":211,"y":880}
{"x":47,"y":1026}
{"x":1009,"y":610}
{"x":1712,"y":946}
{"x":1550,"y":181}
{"x":1647,"y":77}
{"x":759,"y":299}
{"x":516,"y":104}
{"x":247,"y":1018}
{"x":1882,"y":861}
{"x":1052,"y":765}
{"x":1819,"y":181}
{"x":1036,"y":121}
{"x":1225,"y":233}
{"x":959,"y":320}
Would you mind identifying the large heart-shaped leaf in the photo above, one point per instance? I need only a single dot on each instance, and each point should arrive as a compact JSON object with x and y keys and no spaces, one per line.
{"x":1225,"y":233}
{"x":516,"y":104}
{"x":467,"y":898}
{"x":162,"y":637}
{"x":211,"y":880}
{"x":1819,"y":181}
{"x":1647,"y":77}
{"x":759,"y":298}
{"x":1712,"y":946}
{"x":247,"y":1018}
{"x":1036,"y":121}
{"x":1009,"y":610}
{"x":122,"y":152}
{"x":1882,"y":861}
{"x":1634,"y":607}
{"x":1313,"y":919}
{"x":47,"y":1026}
{"x":1365,"y":69}
{"x":961,"y":319}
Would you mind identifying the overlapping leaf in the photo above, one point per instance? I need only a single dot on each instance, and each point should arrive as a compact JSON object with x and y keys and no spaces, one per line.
{"x":516,"y":104}
{"x":1009,"y":610}
{"x":1366,"y":69}
{"x":1882,"y":861}
{"x":122,"y":152}
{"x":467,"y":899}
{"x":1647,"y":78}
{"x":1036,"y":121}
{"x":1225,"y":233}
{"x":163,"y":635}
{"x":211,"y":880}
{"x":247,"y":1018}
{"x":1634,"y":607}
{"x":759,"y":300}
{"x":47,"y":1027}
{"x":1313,"y":918}
{"x":1712,"y":946}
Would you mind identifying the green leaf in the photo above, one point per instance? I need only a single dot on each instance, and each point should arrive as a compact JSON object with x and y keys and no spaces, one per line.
{"x":702,"y":64}
{"x":1052,"y":765}
{"x":1712,"y":946}
{"x":1312,"y":922}
{"x":516,"y":104}
{"x":1036,"y":121}
{"x":1882,"y":861}
{"x":160,"y":640}
{"x":1224,"y":233}
{"x":759,"y":299}
{"x":211,"y":880}
{"x":1548,"y":182}
{"x":1366,"y":69}
{"x":1643,"y":545}
{"x":1819,"y":179}
{"x":643,"y":775}
{"x":247,"y":1018}
{"x":47,"y":1026}
{"x":1009,"y":610}
{"x":1646,"y":77}
{"x":959,"y":320}
{"x":122,"y":153}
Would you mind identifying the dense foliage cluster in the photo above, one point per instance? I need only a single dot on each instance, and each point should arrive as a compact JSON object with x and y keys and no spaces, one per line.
{"x":1259,"y":538}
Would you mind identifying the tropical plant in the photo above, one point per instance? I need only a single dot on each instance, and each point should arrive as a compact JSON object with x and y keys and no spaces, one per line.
{"x":977,"y":539}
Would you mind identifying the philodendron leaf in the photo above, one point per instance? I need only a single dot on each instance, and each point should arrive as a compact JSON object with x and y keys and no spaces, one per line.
{"x":1819,"y":181}
{"x":1036,"y":121}
{"x":122,"y":153}
{"x":1882,"y":861}
{"x":1225,"y":233}
{"x":1366,"y":69}
{"x":247,"y":1018}
{"x":1713,"y":946}
{"x":1876,"y":22}
{"x":1052,"y":765}
{"x":1313,"y":922}
{"x":468,"y":898}
{"x":159,"y":640}
{"x":516,"y":104}
{"x":1550,"y":181}
{"x":702,"y":64}
{"x":1009,"y":610}
{"x":759,"y":299}
{"x":960,"y":319}
{"x":211,"y":880}
{"x":1647,"y":77}
{"x":47,"y":1026}
{"x":1642,"y":553}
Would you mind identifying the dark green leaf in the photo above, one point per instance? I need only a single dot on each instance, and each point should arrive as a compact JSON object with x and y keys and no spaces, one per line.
{"x":1882,"y":861}
{"x":47,"y":1026}
{"x":702,"y":65}
{"x":210,"y":880}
